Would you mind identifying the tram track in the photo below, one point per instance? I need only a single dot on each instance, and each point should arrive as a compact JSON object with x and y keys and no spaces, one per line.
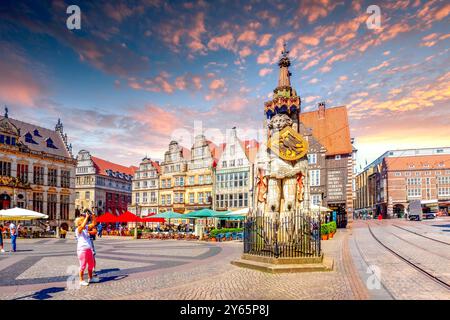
{"x":421,"y":235}
{"x":408,"y":261}
{"x":415,"y":244}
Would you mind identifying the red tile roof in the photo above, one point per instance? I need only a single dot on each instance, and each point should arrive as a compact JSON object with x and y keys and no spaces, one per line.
{"x":103,"y":165}
{"x":418,"y":162}
{"x":332,"y":130}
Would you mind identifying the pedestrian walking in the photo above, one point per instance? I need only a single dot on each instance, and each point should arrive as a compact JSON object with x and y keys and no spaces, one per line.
{"x":84,"y":250}
{"x":99,"y":228}
{"x":1,"y":239}
{"x":13,"y":232}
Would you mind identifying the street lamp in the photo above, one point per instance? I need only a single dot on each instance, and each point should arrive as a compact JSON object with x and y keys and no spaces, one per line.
{"x":135,"y":224}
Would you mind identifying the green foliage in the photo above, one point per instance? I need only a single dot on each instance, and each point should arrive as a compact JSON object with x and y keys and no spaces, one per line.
{"x":324,"y":229}
{"x":332,"y":226}
{"x":215,"y":232}
{"x":327,"y":228}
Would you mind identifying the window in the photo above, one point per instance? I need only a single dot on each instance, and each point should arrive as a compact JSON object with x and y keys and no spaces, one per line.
{"x":163,"y":199}
{"x":192,"y":180}
{"x":398,"y":174}
{"x":52,"y":176}
{"x":316,"y":199}
{"x":191,"y":198}
{"x":51,"y":206}
{"x":208,"y":198}
{"x":444,"y":191}
{"x":443,"y":180}
{"x":200,"y":197}
{"x":5,"y":168}
{"x":208,"y":179}
{"x":179,"y":197}
{"x":29,"y":138}
{"x":169,"y":199}
{"x":314,"y":176}
{"x":137,"y":197}
{"x":144,"y":197}
{"x":64,"y":206}
{"x":22,"y":172}
{"x":312,"y":158}
{"x":428,"y":173}
{"x":77,"y":195}
{"x":36,"y":133}
{"x":240,"y":162}
{"x":38,"y":175}
{"x":87,"y":195}
{"x":152,"y":197}
{"x":50,"y":144}
{"x":38,"y":202}
{"x":337,"y":157}
{"x":439,"y":150}
{"x":407,"y":173}
{"x":200,"y":179}
{"x":224,"y":164}
{"x":232,"y":163}
{"x":417,"y":174}
{"x":414,"y":181}
{"x":65,"y":179}
{"x":412,"y":193}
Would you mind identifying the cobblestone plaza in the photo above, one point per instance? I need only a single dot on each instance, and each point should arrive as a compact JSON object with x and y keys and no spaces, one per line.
{"x":176,"y":269}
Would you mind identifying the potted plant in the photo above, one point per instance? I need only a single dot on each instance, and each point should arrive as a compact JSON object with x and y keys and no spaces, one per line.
{"x":333,"y":228}
{"x":324,"y":231}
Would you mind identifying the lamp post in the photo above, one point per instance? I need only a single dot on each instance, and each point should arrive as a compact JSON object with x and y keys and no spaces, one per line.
{"x":135,"y":224}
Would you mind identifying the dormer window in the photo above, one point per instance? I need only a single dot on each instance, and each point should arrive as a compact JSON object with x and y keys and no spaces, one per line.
{"x":50,"y":144}
{"x":29,"y":138}
{"x":36,"y":133}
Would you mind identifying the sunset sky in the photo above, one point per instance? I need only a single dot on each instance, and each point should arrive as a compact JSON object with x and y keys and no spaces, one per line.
{"x":138,"y":71}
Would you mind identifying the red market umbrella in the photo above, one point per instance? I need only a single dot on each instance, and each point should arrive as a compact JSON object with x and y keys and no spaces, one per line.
{"x":128,"y":217}
{"x":162,"y":220}
{"x":107,"y":217}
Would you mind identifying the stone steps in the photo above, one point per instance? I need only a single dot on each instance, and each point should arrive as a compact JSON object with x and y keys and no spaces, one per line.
{"x":326,"y":265}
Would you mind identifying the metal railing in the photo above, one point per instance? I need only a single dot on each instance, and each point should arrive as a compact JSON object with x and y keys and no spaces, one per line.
{"x":288,"y":235}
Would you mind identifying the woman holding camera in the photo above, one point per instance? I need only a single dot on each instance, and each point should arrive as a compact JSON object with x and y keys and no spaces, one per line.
{"x":84,"y":249}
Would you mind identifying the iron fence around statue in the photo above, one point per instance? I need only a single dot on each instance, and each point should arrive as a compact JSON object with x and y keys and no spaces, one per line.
{"x":290,"y":235}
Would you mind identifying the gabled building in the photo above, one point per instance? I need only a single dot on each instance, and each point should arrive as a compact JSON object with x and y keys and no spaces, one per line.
{"x":145,"y":187}
{"x":234,"y":173}
{"x":330,"y":129}
{"x":37,"y":170}
{"x":172,"y":178}
{"x":199,"y":177}
{"x":102,"y":185}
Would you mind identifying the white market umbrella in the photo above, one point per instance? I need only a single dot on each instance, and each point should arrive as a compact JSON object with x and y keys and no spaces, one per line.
{"x":320,"y":208}
{"x":21,"y":214}
{"x":240,"y":212}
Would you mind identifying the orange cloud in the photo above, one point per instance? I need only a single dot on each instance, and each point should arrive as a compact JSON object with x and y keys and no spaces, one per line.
{"x":217,"y":84}
{"x":265,"y":71}
{"x":264,"y":40}
{"x":225,"y":41}
{"x":159,"y":120}
{"x":378,"y":67}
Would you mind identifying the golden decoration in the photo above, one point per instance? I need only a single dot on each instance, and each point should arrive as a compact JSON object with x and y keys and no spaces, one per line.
{"x":288,"y":144}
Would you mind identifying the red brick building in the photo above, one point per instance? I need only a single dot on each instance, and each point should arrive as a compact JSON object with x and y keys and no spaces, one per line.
{"x":387,"y":186}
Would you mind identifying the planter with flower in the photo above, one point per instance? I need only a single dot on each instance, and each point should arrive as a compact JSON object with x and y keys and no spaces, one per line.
{"x":324,"y":231}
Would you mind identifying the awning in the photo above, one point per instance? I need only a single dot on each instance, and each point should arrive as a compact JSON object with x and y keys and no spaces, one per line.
{"x":107,"y":217}
{"x":128,"y":217}
{"x":21,"y":214}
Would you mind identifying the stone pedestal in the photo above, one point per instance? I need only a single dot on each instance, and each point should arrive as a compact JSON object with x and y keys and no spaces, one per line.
{"x":285,"y":265}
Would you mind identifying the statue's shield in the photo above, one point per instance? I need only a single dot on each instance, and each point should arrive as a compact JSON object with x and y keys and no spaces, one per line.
{"x":288,"y":144}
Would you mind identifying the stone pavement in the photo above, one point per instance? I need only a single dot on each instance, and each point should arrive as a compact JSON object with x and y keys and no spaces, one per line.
{"x":398,"y":279}
{"x":165,"y":269}
{"x":175,"y":269}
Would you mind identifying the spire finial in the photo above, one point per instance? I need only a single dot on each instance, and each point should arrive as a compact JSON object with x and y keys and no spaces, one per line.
{"x":285,"y":52}
{"x":6,"y":111}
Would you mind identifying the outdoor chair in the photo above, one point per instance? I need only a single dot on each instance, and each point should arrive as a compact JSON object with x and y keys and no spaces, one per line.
{"x":240,"y":236}
{"x":219,"y":237}
{"x":228,"y":236}
{"x":234,"y":235}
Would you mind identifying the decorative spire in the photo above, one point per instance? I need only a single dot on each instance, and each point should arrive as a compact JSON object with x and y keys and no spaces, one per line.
{"x":6,"y":111}
{"x":59,"y":126}
{"x":284,"y":79}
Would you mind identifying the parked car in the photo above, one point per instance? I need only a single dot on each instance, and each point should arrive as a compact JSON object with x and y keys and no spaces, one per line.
{"x":429,"y":215}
